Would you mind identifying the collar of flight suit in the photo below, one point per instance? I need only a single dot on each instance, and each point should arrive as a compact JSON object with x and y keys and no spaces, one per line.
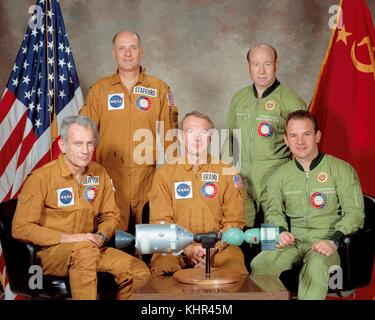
{"x":268,"y":91}
{"x":64,"y":169}
{"x":313,"y":163}
{"x":142,"y":78}
{"x":189,"y":166}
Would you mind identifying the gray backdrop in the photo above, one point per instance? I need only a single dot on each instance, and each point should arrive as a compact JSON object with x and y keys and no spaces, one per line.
{"x":197,"y":46}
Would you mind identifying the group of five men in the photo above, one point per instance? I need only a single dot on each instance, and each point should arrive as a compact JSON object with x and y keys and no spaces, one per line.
{"x":72,"y":206}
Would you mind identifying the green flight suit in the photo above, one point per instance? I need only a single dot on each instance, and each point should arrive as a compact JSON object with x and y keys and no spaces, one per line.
{"x":323,"y":203}
{"x":262,"y":122}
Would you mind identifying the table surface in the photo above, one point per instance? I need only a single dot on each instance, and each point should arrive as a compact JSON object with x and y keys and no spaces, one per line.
{"x":260,"y":287}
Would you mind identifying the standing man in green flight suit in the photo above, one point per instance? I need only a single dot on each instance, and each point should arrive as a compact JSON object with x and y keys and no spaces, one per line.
{"x":322,"y":197}
{"x":259,"y":111}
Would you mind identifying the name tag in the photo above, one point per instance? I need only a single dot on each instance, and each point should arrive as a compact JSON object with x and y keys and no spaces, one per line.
{"x":116,"y":101}
{"x":150,"y":92}
{"x":210,"y":177}
{"x":65,"y":197}
{"x":90,"y":181}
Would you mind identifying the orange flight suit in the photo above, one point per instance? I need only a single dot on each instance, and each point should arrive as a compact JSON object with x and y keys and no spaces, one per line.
{"x":119,"y":114}
{"x":52,"y":203}
{"x":200,"y":200}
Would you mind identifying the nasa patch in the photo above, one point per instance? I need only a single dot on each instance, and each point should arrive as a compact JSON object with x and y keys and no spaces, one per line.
{"x":65,"y":197}
{"x":116,"y":101}
{"x":90,"y":193}
{"x":322,"y":177}
{"x":318,"y":200}
{"x":209,"y":190}
{"x":143,"y":103}
{"x":183,"y":190}
{"x":265,"y":129}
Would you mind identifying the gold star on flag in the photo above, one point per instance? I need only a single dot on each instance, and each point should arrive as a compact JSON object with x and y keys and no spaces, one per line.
{"x":342,"y":35}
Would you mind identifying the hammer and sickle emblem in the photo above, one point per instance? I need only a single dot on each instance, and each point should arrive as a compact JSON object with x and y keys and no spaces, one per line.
{"x":366,"y":68}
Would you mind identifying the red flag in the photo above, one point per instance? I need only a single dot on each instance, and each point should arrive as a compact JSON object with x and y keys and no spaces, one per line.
{"x":344,"y":98}
{"x":42,"y":89}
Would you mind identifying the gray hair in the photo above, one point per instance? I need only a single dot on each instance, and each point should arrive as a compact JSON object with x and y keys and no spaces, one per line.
{"x":82,"y":121}
{"x":260,"y":45}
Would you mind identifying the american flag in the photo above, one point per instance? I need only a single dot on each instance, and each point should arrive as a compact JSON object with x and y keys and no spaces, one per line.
{"x":42,"y":89}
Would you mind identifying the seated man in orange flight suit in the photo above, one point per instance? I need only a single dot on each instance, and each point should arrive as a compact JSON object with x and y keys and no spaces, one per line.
{"x":68,"y":209}
{"x":201,"y":195}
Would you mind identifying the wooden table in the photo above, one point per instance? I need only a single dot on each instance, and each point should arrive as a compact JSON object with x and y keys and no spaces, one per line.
{"x":248,"y":288}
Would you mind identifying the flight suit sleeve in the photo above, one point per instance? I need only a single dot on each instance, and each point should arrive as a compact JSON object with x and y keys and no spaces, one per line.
{"x":275,"y":212}
{"x":169,"y":117}
{"x":233,"y":205}
{"x":92,"y":106}
{"x":30,"y":204}
{"x":351,"y":200}
{"x":160,"y":200}
{"x":109,"y":215}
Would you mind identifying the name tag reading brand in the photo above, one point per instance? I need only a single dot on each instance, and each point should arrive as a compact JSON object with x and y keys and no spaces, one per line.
{"x":210,"y":177}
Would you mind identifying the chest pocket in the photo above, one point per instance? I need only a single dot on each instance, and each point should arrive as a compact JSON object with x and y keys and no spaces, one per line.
{"x":294,"y":203}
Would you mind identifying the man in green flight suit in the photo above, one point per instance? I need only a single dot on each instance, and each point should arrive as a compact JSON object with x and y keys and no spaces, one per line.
{"x":322,"y":198}
{"x":259,"y":111}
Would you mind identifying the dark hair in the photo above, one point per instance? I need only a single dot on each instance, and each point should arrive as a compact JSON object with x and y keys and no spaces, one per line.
{"x":301,"y":114}
{"x":199,"y":115}
{"x":259,"y":45}
{"x":136,"y":34}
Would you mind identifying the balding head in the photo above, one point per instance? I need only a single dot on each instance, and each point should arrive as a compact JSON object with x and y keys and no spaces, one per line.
{"x":126,"y":33}
{"x":261,"y":45}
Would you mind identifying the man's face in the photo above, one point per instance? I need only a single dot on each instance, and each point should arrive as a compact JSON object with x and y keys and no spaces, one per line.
{"x":197,"y":135}
{"x":302,"y":139}
{"x":262,"y":67}
{"x":127,"y":51}
{"x":79,"y":146}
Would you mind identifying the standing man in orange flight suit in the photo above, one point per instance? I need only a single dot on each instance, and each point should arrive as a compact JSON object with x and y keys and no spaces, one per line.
{"x":201,"y":195}
{"x":121,"y":104}
{"x":68,"y":209}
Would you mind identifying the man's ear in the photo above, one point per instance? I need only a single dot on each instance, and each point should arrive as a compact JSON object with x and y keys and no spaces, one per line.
{"x":318,"y":136}
{"x":61,"y":144}
{"x":286,"y":140}
{"x":247,"y":66}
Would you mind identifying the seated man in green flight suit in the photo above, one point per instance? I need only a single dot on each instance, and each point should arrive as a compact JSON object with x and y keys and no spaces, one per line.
{"x":322,"y":197}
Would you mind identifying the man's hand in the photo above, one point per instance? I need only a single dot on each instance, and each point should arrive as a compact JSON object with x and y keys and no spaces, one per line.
{"x":79,"y":237}
{"x":285,"y":239}
{"x":325,"y":247}
{"x":195,"y":253}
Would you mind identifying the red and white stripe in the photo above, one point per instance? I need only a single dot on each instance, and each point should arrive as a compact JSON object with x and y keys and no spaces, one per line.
{"x":20,"y":150}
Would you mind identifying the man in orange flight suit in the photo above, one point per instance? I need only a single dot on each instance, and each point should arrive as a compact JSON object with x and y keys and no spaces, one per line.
{"x":68,"y":208}
{"x":201,"y":195}
{"x":121,"y":104}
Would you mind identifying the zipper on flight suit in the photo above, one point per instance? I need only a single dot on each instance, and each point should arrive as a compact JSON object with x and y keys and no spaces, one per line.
{"x":307,"y":199}
{"x":253,"y":122}
{"x":79,"y":215}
